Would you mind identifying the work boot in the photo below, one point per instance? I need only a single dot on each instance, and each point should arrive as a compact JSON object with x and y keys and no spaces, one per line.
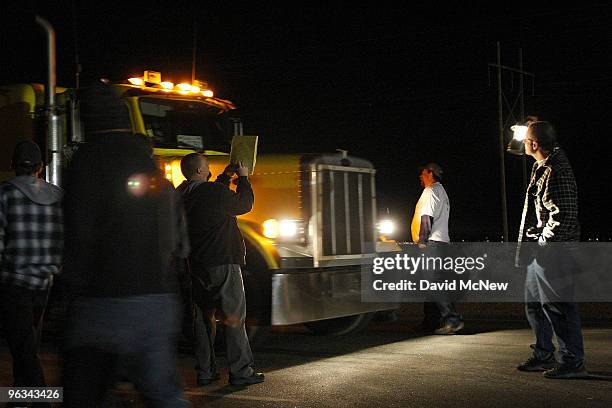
{"x":450,"y":327}
{"x":535,"y":364}
{"x":207,"y":381}
{"x":564,"y":371}
{"x":252,"y":379}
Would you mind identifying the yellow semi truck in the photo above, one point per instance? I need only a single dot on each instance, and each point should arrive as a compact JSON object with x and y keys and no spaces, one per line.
{"x":314,"y":221}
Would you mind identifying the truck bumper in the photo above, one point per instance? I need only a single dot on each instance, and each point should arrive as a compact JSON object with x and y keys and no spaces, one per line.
{"x":305,"y":295}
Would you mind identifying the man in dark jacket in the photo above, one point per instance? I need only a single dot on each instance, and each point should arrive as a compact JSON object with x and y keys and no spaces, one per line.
{"x":31,"y":243}
{"x":550,"y":217}
{"x":124,"y":225}
{"x":217,"y":253}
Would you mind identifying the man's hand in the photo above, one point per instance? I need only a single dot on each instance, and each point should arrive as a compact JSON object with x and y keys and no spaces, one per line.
{"x":230,"y":170}
{"x":242,"y":170}
{"x":542,"y":241}
{"x":422,"y":245}
{"x":534,"y":233}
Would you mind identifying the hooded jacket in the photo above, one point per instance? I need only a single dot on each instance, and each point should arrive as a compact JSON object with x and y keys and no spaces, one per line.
{"x":31,"y":232}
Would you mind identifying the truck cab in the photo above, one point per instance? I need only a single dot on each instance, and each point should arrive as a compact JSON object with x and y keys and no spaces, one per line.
{"x":313,"y":226}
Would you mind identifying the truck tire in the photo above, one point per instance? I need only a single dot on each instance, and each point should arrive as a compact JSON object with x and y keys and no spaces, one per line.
{"x":341,"y":325}
{"x":258,"y":289}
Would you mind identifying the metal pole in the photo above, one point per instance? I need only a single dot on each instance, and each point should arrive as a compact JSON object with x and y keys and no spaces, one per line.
{"x":522,"y":93}
{"x":51,"y":79}
{"x":53,"y":140}
{"x":77,"y":62}
{"x":502,"y":164}
{"x":193,"y":56}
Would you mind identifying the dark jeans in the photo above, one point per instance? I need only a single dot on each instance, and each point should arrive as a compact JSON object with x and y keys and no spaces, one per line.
{"x":220,"y":288}
{"x":442,"y":311}
{"x":139,"y":332}
{"x":549,"y":312}
{"x":21,"y":314}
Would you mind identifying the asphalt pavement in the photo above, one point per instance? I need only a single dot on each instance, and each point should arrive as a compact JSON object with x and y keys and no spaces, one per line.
{"x":390,"y":365}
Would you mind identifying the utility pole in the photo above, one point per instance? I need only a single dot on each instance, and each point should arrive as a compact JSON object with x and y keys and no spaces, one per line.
{"x":511,"y":117}
{"x":522,"y":108}
{"x":502,"y":159}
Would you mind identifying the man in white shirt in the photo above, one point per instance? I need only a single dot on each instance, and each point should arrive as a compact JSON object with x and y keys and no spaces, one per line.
{"x":430,"y":230}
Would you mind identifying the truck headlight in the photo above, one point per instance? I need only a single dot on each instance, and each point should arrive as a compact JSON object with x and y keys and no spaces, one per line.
{"x":284,"y":230}
{"x":386,"y":227}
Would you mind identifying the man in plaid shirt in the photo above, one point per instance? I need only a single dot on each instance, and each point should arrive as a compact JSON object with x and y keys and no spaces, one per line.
{"x":31,"y":244}
{"x":550,"y":216}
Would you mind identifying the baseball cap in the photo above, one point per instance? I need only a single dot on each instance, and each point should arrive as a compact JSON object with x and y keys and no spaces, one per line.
{"x":434,"y":168}
{"x":26,"y":153}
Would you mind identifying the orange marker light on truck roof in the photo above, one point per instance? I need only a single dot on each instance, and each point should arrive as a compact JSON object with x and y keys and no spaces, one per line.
{"x":136,"y":81}
{"x":183,"y":86}
{"x":152,"y":80}
{"x":153,"y":77}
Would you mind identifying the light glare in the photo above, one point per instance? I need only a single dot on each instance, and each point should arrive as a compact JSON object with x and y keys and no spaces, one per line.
{"x":270,"y":228}
{"x":520,"y":132}
{"x":136,"y":81}
{"x":386,"y":227}
{"x":288,"y":228}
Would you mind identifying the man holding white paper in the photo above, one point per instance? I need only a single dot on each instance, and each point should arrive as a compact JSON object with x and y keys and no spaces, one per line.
{"x":218,"y":252}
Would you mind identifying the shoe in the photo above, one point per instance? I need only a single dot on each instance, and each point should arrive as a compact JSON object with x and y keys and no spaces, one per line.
{"x":254,"y":378}
{"x":563,"y":371}
{"x":450,"y":328}
{"x":207,"y":381}
{"x":535,"y":364}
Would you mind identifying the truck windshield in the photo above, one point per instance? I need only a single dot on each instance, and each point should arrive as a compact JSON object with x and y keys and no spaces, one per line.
{"x":175,"y":123}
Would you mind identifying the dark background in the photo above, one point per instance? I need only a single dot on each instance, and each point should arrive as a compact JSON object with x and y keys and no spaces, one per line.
{"x":398,"y":84}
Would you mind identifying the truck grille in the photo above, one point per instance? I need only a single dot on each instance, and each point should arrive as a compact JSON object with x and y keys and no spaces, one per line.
{"x":346,"y":203}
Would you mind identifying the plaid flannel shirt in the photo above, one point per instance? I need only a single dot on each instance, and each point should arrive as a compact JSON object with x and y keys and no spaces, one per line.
{"x":550,"y":212}
{"x":31,"y":239}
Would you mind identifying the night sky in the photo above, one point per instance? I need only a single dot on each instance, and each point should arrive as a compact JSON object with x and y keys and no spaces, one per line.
{"x":399,"y":85}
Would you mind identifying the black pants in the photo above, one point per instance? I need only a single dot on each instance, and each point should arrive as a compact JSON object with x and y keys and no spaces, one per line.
{"x":21,"y":313}
{"x":439,"y":312}
{"x":548,"y":291}
{"x":135,"y":333}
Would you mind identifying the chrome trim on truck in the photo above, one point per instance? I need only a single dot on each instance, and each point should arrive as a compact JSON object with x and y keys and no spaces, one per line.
{"x":312,"y":294}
